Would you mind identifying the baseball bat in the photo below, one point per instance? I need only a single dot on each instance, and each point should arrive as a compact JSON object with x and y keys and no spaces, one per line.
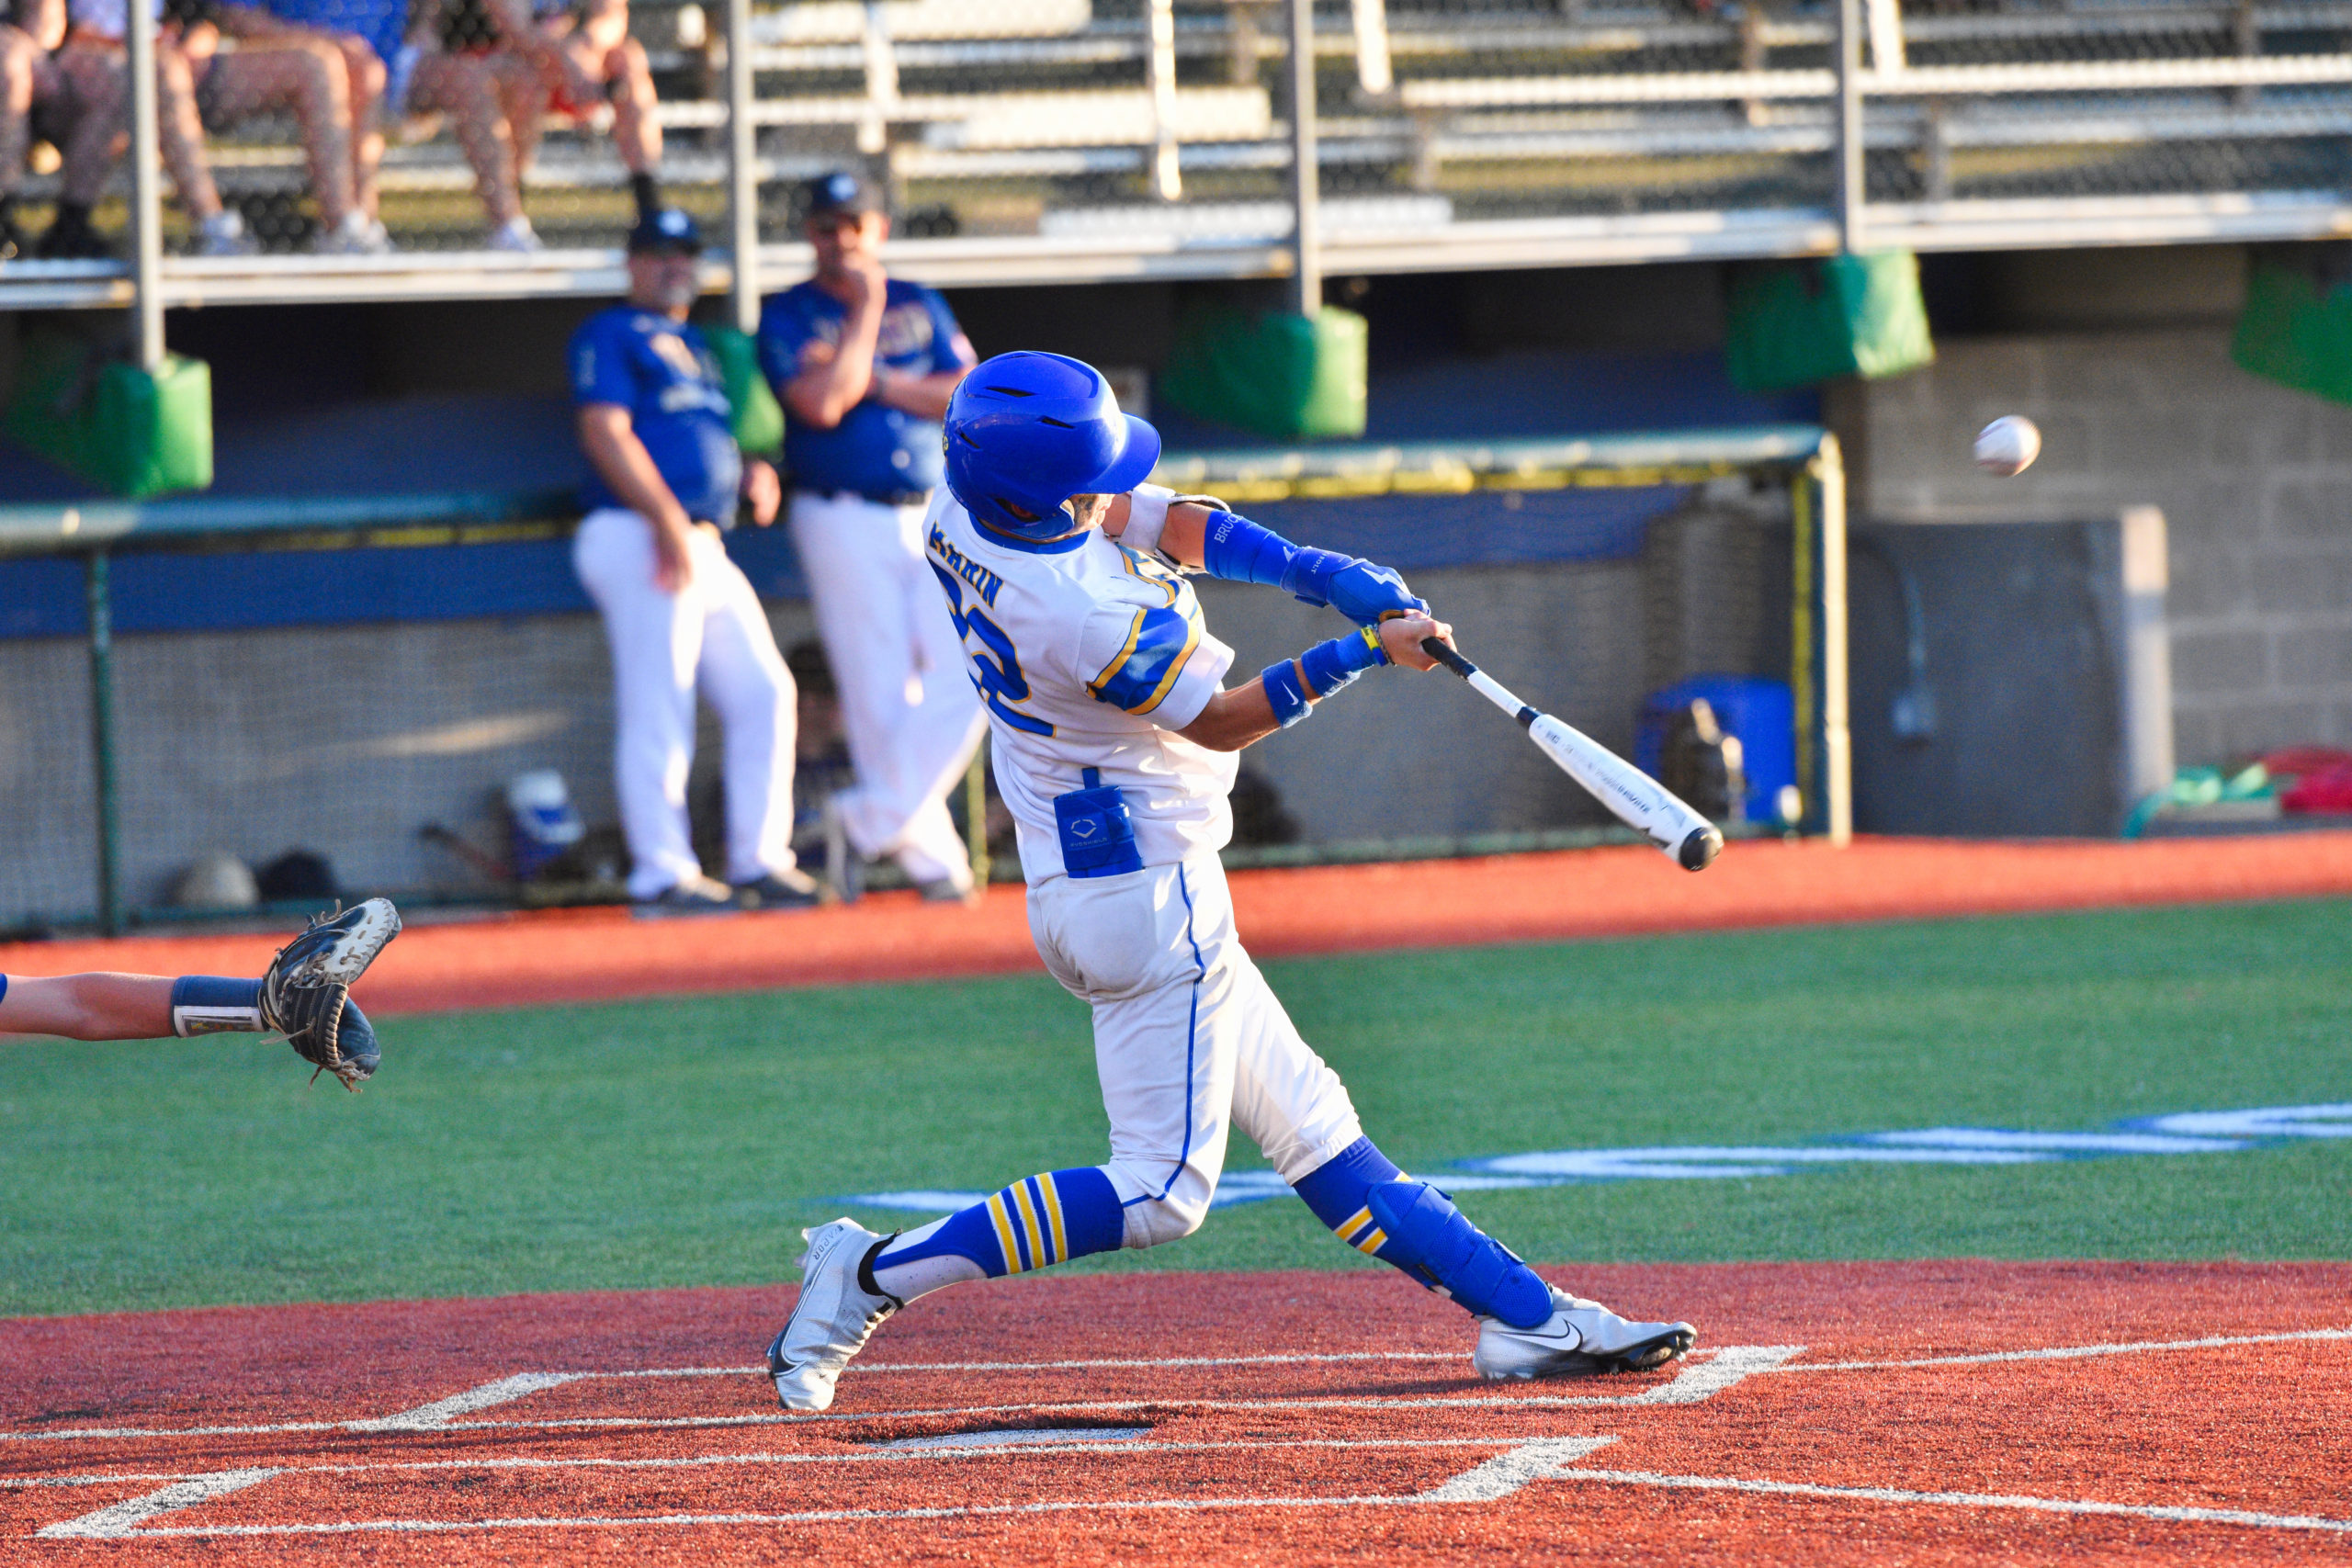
{"x":1636,"y":799}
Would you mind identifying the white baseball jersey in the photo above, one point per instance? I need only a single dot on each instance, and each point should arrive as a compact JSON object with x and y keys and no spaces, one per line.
{"x":1087,"y":655}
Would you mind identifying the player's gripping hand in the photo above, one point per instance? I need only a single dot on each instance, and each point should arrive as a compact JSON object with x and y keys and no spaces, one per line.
{"x":1401,"y":638}
{"x":1367,"y":594}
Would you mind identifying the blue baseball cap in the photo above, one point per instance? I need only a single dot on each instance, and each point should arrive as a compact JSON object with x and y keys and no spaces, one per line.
{"x":842,"y":193}
{"x":671,"y":229}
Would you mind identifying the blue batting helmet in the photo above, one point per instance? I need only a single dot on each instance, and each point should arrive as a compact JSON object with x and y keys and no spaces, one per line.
{"x":1025,"y":432}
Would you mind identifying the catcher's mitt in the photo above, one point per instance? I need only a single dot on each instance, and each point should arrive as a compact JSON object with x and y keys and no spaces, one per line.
{"x":305,"y":995}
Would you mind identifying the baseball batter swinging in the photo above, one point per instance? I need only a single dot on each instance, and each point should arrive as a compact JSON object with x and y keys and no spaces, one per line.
{"x":1114,"y":748}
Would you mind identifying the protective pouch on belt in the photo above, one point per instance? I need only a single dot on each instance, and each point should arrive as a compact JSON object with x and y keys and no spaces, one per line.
{"x":1098,"y":835}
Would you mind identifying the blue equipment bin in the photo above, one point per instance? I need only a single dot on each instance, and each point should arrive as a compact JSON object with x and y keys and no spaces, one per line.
{"x":1761,"y":712}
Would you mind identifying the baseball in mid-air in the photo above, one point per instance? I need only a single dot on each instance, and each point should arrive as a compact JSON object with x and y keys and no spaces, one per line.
{"x":2007,"y":446}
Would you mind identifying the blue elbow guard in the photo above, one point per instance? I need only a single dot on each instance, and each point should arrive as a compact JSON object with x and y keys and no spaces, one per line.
{"x":1435,"y":1242}
{"x":1239,"y":550}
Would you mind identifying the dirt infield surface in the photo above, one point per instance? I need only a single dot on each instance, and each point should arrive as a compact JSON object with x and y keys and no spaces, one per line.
{"x":1949,"y":1412}
{"x":603,"y":955}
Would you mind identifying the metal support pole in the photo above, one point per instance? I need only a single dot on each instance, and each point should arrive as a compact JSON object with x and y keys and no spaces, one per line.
{"x":1852,"y":190}
{"x":1306,"y":267}
{"x":146,"y":191}
{"x":1836,"y":736}
{"x":1167,"y":170}
{"x":110,"y":826}
{"x":976,"y":813}
{"x":742,"y":170}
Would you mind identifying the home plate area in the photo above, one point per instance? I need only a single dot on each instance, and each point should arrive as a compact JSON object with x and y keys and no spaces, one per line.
{"x":1943,"y":1411}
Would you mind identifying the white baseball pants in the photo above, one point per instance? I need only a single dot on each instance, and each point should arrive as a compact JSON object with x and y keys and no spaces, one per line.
{"x":908,"y":708}
{"x":714,"y":635}
{"x":1189,"y":1040}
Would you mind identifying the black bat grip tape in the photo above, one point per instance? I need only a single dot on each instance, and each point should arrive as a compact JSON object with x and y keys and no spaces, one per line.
{"x":1445,"y":654}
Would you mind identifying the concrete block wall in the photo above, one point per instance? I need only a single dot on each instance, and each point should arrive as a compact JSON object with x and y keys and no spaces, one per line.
{"x":2255,"y":481}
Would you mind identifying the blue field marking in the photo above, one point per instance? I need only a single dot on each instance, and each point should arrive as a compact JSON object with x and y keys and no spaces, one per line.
{"x":2183,"y":1132}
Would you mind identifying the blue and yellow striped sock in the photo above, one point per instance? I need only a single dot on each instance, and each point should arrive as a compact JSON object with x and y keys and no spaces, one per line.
{"x":1036,"y":1222}
{"x":1337,"y":1190}
{"x":1382,"y":1212}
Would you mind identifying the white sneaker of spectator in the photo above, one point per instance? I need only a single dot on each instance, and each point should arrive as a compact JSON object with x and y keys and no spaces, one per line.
{"x":223,"y":234}
{"x":356,"y":235}
{"x":515,"y":234}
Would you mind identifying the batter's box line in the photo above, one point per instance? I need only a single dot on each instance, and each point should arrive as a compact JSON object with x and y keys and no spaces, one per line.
{"x":1543,"y":1459}
{"x":1696,"y":1378}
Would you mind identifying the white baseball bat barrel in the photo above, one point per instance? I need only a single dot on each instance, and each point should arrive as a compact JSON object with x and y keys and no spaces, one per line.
{"x":1633,"y":797}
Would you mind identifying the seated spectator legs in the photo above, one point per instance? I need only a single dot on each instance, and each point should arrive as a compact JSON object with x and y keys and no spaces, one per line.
{"x":307,"y":75}
{"x":97,"y":70}
{"x":20,"y":62}
{"x":603,"y":51}
{"x":307,"y":24}
{"x":363,"y":70}
{"x":464,"y":88}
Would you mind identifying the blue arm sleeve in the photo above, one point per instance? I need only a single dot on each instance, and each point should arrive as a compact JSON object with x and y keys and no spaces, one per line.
{"x":1239,"y":550}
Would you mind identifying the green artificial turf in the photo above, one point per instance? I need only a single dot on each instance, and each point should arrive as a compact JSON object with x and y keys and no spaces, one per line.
{"x":683,"y":1142}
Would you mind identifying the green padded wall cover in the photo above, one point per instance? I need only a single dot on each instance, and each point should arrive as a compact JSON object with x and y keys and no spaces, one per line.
{"x":1801,"y":324}
{"x":2297,"y":325}
{"x":758,"y":419}
{"x":1287,"y":376}
{"x":125,"y":430}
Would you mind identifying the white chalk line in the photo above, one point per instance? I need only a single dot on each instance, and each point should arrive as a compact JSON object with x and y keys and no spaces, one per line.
{"x":880,"y":1453}
{"x":1151,"y":1364}
{"x":1541,"y":1459}
{"x":2067,"y":1352}
{"x":1703,"y":1376}
{"x":1962,"y":1499}
{"x":514,"y":1387}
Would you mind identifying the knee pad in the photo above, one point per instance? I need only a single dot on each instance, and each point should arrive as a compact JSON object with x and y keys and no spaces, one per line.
{"x":1435,"y":1242}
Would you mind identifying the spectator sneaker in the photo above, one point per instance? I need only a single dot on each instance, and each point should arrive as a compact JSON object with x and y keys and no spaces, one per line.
{"x":223,"y":234}
{"x":780,"y":890}
{"x":356,"y":235}
{"x":839,"y":1309}
{"x":517,"y":236}
{"x":1581,"y":1338}
{"x":697,"y":895}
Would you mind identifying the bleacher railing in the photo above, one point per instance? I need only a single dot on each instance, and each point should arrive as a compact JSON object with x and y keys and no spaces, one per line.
{"x":1034,"y":140}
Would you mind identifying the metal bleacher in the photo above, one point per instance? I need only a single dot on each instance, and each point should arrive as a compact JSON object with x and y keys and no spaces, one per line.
{"x":1035,"y":141}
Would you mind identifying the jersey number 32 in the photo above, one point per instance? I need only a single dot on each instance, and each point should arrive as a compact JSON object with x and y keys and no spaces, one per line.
{"x":995,"y":667}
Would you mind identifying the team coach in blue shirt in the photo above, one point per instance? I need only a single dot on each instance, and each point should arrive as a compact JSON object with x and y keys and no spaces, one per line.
{"x":863,"y":365}
{"x":665,"y":476}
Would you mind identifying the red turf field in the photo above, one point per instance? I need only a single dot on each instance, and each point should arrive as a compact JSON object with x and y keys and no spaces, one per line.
{"x":1927,"y":1412}
{"x":602,"y":954}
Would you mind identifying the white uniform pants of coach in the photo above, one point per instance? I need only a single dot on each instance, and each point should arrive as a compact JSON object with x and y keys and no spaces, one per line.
{"x":1189,"y":1040}
{"x":908,"y":708}
{"x":714,"y":635}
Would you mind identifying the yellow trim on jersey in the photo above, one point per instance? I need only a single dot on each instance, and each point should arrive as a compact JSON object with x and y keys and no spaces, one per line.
{"x":1102,"y":678}
{"x":1029,"y":1226}
{"x":1003,"y":1223}
{"x":1169,"y":582}
{"x":1175,"y":665}
{"x":1054,"y":1213}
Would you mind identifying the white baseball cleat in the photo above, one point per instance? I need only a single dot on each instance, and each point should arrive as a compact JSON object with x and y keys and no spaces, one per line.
{"x":837,"y":1313}
{"x":1580,"y":1338}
